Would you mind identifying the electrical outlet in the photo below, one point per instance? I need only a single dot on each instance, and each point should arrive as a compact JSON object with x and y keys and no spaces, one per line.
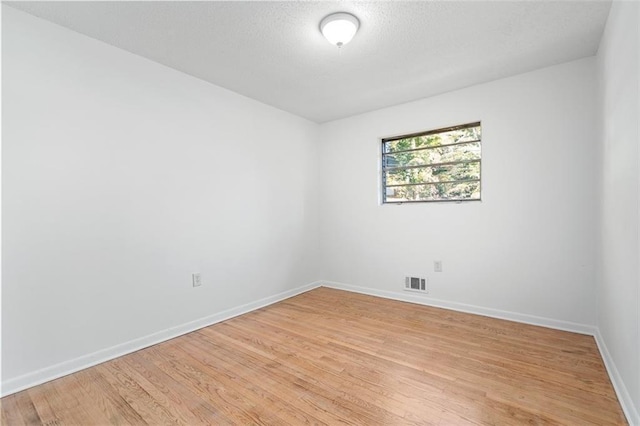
{"x":437,"y":266}
{"x":196,"y":279}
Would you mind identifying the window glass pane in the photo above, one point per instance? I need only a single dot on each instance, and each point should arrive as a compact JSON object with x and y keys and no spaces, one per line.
{"x":436,"y":192}
{"x":447,"y":173}
{"x":435,"y":165}
{"x":443,"y":154}
{"x":445,"y":138}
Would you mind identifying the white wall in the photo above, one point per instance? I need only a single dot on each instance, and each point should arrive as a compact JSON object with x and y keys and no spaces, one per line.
{"x":528,"y":247}
{"x":121,"y":177}
{"x":619,"y":281}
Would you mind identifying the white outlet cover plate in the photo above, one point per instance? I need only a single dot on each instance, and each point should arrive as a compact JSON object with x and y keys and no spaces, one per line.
{"x":196,"y":279}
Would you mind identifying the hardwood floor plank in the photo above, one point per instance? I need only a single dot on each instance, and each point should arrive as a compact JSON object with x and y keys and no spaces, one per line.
{"x":179,"y":406}
{"x":134,"y":395}
{"x":300,"y":372}
{"x":28,"y":410}
{"x":329,"y":357}
{"x":312,"y":389}
{"x":209,"y":387}
{"x":68,"y":406}
{"x":237,"y":375}
{"x":201,"y":405}
{"x":11,"y":413}
{"x":376,"y":393}
{"x":46,"y":412}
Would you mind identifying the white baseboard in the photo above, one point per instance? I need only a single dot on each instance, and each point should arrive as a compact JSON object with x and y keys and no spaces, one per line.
{"x":629,"y":408}
{"x":462,"y":307}
{"x":67,"y":367}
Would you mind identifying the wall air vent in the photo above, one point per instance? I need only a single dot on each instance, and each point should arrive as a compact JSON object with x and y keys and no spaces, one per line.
{"x":415,"y":284}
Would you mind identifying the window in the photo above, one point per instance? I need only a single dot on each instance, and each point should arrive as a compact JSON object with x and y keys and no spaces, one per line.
{"x":437,"y":165}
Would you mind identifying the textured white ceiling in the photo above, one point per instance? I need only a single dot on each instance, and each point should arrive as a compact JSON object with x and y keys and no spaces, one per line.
{"x":274,"y":52}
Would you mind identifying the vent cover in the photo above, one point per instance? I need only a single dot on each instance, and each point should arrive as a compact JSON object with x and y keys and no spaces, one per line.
{"x":415,"y":284}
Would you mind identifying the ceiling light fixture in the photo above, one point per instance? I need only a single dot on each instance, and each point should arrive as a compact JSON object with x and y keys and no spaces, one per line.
{"x":339,"y":28}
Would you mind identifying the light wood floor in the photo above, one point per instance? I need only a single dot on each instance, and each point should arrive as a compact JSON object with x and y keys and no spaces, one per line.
{"x":333,"y":357}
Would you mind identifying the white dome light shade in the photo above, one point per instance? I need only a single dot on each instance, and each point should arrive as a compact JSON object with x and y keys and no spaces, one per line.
{"x":339,"y":28}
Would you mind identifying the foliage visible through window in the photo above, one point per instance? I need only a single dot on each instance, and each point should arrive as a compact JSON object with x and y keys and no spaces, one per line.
{"x":438,"y":165}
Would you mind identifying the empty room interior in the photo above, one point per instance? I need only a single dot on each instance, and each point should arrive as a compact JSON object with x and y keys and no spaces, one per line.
{"x":287,"y":212}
